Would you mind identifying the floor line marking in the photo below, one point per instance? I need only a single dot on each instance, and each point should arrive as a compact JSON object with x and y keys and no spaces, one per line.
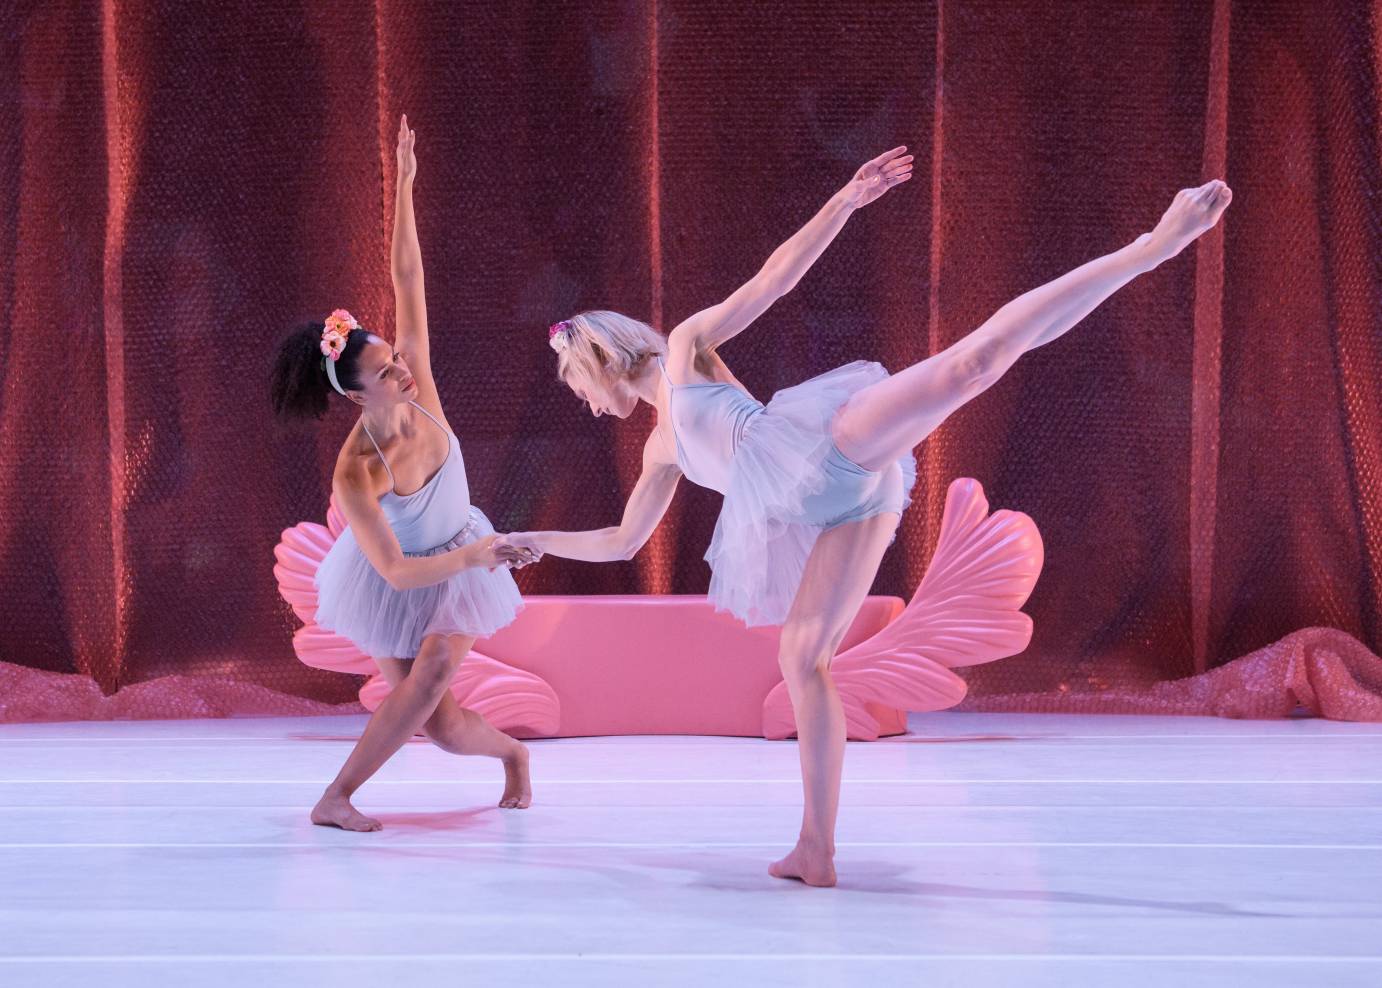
{"x":713,"y":782}
{"x":684,"y":957}
{"x":387,"y":844}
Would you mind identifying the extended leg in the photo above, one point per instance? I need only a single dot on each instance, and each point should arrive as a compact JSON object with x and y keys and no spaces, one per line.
{"x":888,"y":419}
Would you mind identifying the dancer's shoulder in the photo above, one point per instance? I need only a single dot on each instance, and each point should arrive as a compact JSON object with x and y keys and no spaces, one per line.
{"x":359,"y":467}
{"x":689,"y":362}
{"x":713,"y":366}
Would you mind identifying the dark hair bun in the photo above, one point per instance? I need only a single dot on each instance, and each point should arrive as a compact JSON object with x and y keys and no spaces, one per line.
{"x":299,"y":388}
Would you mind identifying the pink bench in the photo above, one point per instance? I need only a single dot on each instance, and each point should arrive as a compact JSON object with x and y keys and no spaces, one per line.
{"x":616,"y":669}
{"x":647,"y":664}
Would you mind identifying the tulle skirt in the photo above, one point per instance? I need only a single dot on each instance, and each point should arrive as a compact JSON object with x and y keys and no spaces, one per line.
{"x":354,"y":601}
{"x":788,"y":483}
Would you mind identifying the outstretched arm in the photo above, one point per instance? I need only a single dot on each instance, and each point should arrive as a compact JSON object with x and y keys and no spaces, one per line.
{"x":410,"y":302}
{"x":645,"y":508}
{"x":710,"y":327}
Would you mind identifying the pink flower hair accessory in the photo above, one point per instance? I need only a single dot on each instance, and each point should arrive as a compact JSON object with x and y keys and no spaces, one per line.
{"x":559,"y":335}
{"x":336,"y":330}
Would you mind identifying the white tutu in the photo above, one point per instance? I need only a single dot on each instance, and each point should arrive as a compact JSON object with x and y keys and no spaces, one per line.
{"x":788,"y":483}
{"x":354,"y":601}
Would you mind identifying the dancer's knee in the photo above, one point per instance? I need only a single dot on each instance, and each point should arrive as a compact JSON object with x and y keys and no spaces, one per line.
{"x":805,"y":651}
{"x":432,"y":669}
{"x":974,"y":367}
{"x":439,"y":729}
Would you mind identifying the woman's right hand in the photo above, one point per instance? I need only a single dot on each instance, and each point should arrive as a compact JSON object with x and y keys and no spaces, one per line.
{"x":492,"y":553}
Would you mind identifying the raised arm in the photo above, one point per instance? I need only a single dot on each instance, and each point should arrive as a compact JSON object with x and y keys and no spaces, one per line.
{"x":645,"y":508}
{"x":710,"y":327}
{"x":410,"y":302}
{"x":359,"y":503}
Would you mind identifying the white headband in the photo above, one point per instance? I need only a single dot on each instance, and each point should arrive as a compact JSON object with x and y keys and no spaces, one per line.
{"x":331,"y":374}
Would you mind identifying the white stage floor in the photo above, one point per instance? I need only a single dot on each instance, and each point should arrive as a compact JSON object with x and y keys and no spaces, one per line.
{"x":981,"y":850}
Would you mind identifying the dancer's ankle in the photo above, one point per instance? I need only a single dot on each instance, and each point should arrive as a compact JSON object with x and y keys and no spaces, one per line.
{"x":337,"y":791}
{"x":817,"y":843}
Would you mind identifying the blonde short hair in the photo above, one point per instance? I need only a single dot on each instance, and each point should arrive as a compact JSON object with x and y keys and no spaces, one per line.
{"x":600,"y":344}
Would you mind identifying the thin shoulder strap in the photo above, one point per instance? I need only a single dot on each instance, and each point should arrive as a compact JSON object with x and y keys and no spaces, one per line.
{"x":676,"y":439}
{"x":392,"y":483}
{"x":430,"y":416}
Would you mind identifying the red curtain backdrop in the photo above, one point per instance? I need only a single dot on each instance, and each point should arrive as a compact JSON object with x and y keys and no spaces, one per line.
{"x":182,"y":182}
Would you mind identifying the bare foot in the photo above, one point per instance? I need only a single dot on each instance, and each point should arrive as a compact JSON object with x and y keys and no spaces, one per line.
{"x":1192,"y":213}
{"x":333,"y":810}
{"x":518,"y":789}
{"x":807,"y":863}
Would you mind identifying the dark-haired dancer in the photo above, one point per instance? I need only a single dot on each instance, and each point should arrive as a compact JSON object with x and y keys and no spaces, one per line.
{"x":416,"y":577}
{"x":815,"y":481}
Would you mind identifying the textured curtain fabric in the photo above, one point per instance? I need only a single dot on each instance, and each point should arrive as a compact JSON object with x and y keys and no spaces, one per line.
{"x":183,"y":182}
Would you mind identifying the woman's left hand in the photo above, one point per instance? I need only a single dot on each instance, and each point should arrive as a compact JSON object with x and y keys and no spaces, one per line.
{"x":878,"y":176}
